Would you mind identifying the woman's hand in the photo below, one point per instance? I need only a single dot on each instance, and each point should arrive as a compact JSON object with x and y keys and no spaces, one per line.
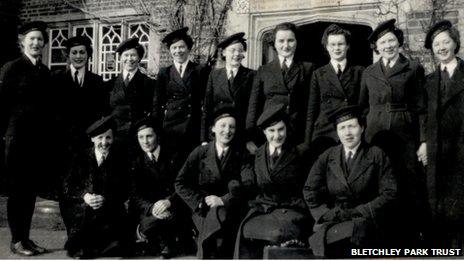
{"x":213,"y":201}
{"x":422,"y":154}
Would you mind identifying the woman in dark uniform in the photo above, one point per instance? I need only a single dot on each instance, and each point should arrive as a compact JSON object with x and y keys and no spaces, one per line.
{"x":178,"y":96}
{"x":209,"y":182}
{"x":131,"y":92}
{"x":230,"y":85}
{"x":279,"y":214}
{"x":393,"y":97}
{"x":334,"y":85}
{"x":443,"y":152}
{"x":285,"y":81}
{"x":25,"y":90}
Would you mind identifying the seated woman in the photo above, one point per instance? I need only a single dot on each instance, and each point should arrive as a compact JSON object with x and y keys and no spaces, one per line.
{"x":279,"y":214}
{"x":209,"y":182}
{"x":95,"y":191}
{"x":350,"y":191}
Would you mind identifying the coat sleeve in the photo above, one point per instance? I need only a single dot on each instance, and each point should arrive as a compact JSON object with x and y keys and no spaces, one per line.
{"x":6,"y":78}
{"x":76,"y":182}
{"x":315,"y":190}
{"x":314,"y":104}
{"x":159,"y":96}
{"x":186,"y":183}
{"x":137,"y":199}
{"x":420,"y":100}
{"x":255,"y":105}
{"x":387,"y":190}
{"x":207,"y":110}
{"x":364,"y":94}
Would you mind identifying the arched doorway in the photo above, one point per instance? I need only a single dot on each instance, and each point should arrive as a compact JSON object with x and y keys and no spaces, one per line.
{"x":310,"y":47}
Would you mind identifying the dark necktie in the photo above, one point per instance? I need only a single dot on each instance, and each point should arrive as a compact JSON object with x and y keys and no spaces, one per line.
{"x":349,"y":161}
{"x":127,"y":80}
{"x":76,"y":79}
{"x":339,"y":71}
{"x":445,"y":77}
{"x":231,"y":78}
{"x":284,"y":68}
{"x":222,"y":158}
{"x":274,"y":158}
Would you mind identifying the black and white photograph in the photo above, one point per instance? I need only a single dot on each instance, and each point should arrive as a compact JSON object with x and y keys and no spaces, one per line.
{"x":231,"y":129}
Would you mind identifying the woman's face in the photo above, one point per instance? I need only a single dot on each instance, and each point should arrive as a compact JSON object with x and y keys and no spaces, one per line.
{"x":33,"y":43}
{"x":337,"y":47}
{"x":285,"y":43}
{"x":276,"y":134}
{"x":78,"y":56}
{"x":130,"y":59}
{"x":388,"y":46}
{"x":443,"y":47}
{"x":179,"y":51}
{"x":234,"y":54}
{"x":224,"y":130}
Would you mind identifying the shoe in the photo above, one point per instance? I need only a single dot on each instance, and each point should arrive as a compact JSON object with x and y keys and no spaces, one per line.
{"x":77,"y":254}
{"x":167,"y":252}
{"x":37,"y":249}
{"x":21,"y":249}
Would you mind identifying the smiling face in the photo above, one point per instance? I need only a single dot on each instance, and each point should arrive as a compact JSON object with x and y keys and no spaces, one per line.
{"x":234,"y":55}
{"x":276,"y":134}
{"x":224,"y":130}
{"x":130,"y":59}
{"x":33,"y":43}
{"x":443,"y":47}
{"x":103,"y":142}
{"x":337,"y":47}
{"x":285,"y":43}
{"x":78,"y":56}
{"x":350,"y":132}
{"x":388,"y":46}
{"x":148,"y":140}
{"x":179,"y":51}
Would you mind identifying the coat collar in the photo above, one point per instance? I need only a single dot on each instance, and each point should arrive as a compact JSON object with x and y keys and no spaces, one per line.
{"x":456,"y":83}
{"x":332,"y":77}
{"x":285,"y":158}
{"x":399,"y":66}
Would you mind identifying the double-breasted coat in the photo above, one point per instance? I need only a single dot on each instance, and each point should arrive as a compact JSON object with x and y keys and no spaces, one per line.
{"x":444,"y":133}
{"x":177,"y":105}
{"x":369,"y":189}
{"x":96,"y":230}
{"x":203,"y":175}
{"x":132,"y":102}
{"x":270,"y":88}
{"x":395,"y":103}
{"x":219,"y":91}
{"x":278,"y":212}
{"x":329,"y":93}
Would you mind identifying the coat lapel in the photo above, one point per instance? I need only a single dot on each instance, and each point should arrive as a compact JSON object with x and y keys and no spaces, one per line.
{"x":400,"y":65}
{"x":238,"y":80}
{"x":456,"y":85}
{"x":335,"y":165}
{"x":260,"y":160}
{"x":377,"y":72}
{"x":188,"y":73}
{"x":361,"y":163}
{"x":211,"y":161}
{"x":223,"y":82}
{"x":332,"y":77}
{"x":285,"y":158}
{"x":293,"y":72}
{"x":175,"y":76}
{"x":346,"y":77}
{"x":276,"y":71}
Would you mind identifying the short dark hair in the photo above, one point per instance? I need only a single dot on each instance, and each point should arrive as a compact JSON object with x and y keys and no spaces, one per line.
{"x":284,"y":27}
{"x":334,"y":29}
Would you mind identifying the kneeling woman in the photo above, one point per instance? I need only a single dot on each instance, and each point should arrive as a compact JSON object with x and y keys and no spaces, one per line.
{"x":279,"y":215}
{"x":209,"y":182}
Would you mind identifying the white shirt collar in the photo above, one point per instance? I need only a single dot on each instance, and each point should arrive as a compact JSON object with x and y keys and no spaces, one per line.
{"x":220,"y":150}
{"x":32,"y":59}
{"x":80,"y":75}
{"x":272,"y":149}
{"x":234,"y":71}
{"x":392,"y":61}
{"x":450,"y":67}
{"x":289,"y":60}
{"x":336,"y":63}
{"x":99,"y":156}
{"x":155,"y":153}
{"x":131,"y":74}
{"x":184,"y":65}
{"x":353,"y":150}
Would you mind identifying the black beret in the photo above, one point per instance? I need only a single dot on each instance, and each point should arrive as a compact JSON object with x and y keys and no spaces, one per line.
{"x":345,"y":113}
{"x":144,"y":123}
{"x":222,"y":111}
{"x":435,"y":30}
{"x":34,"y":26}
{"x":235,"y":38}
{"x":101,"y":126}
{"x":382,"y":29}
{"x":272,"y":114}
{"x":132,"y":43}
{"x":180,"y":34}
{"x":77,"y":41}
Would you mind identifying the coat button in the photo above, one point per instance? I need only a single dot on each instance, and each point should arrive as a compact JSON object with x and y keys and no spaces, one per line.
{"x":346,"y":100}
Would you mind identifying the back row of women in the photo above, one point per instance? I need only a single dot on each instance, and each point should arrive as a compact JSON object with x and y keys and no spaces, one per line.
{"x":415,"y":120}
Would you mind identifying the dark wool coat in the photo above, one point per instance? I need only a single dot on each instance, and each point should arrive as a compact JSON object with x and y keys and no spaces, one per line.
{"x":327,"y":94}
{"x":26,"y":121}
{"x":278,"y":198}
{"x":270,"y":89}
{"x":369,"y":189}
{"x":94,"y":230}
{"x":133,"y":102}
{"x":218,"y":93}
{"x":445,"y":135}
{"x":201,"y":176}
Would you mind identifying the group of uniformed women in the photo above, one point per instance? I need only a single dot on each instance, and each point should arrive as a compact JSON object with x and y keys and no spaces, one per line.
{"x":242,"y":142}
